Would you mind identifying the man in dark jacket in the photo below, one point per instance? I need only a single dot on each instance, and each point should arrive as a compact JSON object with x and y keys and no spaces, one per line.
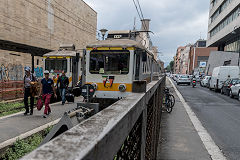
{"x":64,"y":82}
{"x":28,"y":78}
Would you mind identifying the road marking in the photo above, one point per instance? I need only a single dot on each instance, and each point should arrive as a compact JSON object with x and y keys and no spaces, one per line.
{"x":27,"y":134}
{"x":211,"y":147}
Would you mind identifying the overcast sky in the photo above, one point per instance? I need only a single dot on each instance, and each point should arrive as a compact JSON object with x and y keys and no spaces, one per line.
{"x":174,"y":22}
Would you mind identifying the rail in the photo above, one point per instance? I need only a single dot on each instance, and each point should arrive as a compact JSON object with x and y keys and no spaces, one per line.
{"x":128,"y":129}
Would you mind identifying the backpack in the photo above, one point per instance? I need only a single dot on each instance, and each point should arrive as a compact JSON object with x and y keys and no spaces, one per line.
{"x":34,"y":87}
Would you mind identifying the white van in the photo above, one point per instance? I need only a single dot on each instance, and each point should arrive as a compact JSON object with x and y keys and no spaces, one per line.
{"x":221,"y":74}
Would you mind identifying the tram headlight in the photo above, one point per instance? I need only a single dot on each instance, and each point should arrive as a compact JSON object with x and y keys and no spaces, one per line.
{"x":95,"y":86}
{"x":122,"y":87}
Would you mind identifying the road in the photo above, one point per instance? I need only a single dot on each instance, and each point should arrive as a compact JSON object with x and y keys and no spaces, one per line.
{"x":219,"y":114}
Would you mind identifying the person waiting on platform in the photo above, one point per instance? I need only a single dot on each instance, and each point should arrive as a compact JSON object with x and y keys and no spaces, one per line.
{"x":64,"y":82}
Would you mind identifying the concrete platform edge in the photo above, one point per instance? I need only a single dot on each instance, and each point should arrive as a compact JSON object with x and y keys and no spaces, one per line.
{"x":27,"y":134}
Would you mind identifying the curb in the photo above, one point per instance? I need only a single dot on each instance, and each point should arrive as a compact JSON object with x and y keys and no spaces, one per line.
{"x":27,"y":134}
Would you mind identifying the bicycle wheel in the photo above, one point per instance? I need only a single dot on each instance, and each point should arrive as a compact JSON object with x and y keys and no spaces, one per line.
{"x":172,"y":100}
{"x":168,"y":108}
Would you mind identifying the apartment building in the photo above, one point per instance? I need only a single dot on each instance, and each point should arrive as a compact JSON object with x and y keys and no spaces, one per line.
{"x":177,"y":61}
{"x":224,"y":25}
{"x":184,"y":60}
{"x":198,"y":56}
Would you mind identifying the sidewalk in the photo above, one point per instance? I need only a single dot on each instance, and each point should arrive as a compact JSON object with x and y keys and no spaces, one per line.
{"x":179,"y":139}
{"x":17,"y":125}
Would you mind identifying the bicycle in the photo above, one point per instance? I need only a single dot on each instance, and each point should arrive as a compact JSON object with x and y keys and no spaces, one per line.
{"x":169,"y":100}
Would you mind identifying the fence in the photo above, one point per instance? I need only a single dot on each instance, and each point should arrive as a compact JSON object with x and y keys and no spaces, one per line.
{"x":10,"y":90}
{"x":128,"y":129}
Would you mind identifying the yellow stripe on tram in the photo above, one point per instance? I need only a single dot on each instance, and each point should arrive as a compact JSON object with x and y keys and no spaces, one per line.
{"x":101,"y":87}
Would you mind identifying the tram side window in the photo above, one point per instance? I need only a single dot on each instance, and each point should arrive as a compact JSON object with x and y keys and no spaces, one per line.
{"x":109,"y":62}
{"x":56,"y":65}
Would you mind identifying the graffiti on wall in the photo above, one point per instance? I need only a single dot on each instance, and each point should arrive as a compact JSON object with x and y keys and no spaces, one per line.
{"x":38,"y":72}
{"x":11,"y":72}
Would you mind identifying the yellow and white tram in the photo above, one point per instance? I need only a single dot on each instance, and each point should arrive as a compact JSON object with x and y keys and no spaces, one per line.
{"x":65,"y":59}
{"x":112,"y":67}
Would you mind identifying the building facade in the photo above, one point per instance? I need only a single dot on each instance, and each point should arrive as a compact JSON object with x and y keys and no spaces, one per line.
{"x":177,"y":62}
{"x":198,"y":57}
{"x":221,"y":58}
{"x":224,"y":25}
{"x":31,"y":28}
{"x":184,"y":61}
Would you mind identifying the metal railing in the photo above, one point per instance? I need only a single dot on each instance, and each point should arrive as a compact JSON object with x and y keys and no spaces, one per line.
{"x":128,"y":129}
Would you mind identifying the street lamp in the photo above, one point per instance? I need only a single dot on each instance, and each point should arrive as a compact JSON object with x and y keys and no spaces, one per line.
{"x":234,"y":32}
{"x":103,"y":32}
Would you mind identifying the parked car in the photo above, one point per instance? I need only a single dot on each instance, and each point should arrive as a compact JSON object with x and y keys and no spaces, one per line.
{"x":198,"y":78}
{"x":227,"y":85}
{"x":184,"y":79}
{"x":191,"y":77}
{"x":221,"y":74}
{"x":235,"y":90}
{"x":208,"y":82}
{"x":204,"y":81}
{"x":175,"y":77}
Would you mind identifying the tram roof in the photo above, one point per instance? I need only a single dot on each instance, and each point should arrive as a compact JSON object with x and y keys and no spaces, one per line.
{"x":64,"y":53}
{"x":124,"y":43}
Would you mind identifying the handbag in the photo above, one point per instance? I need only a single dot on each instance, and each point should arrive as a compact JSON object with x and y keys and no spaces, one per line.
{"x":34,"y":88}
{"x":39,"y":104}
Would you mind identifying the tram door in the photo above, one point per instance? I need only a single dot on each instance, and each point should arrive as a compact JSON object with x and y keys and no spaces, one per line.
{"x":75,"y":70}
{"x":137,"y":66}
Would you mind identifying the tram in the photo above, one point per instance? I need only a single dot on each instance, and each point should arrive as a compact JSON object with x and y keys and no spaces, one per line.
{"x":65,"y":59}
{"x":114,"y":66}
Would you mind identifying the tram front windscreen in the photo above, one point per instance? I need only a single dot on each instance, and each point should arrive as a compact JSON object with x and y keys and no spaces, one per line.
{"x":109,"y":62}
{"x":56,"y":65}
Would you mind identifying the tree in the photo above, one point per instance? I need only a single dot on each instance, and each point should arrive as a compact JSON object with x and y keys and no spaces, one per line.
{"x":170,"y":66}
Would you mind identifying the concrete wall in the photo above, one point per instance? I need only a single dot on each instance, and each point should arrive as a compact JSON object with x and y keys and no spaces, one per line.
{"x":12,"y":65}
{"x":12,"y":72}
{"x":217,"y":58}
{"x":47,"y":23}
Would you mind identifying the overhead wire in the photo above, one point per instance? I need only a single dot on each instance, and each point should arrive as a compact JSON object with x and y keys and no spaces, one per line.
{"x":140,"y":8}
{"x":141,"y":17}
{"x":137,"y":9}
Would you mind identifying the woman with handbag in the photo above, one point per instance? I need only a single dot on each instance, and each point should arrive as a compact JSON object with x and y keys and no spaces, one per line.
{"x":46,"y":90}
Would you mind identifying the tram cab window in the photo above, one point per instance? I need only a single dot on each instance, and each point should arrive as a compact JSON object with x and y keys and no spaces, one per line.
{"x":56,"y":65}
{"x":109,"y":62}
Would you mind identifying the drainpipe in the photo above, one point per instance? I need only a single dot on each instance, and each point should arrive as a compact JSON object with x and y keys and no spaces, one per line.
{"x":32,"y":63}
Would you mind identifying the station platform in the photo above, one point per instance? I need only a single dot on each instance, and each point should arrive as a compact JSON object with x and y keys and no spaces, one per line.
{"x":19,"y":126}
{"x":179,"y":139}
